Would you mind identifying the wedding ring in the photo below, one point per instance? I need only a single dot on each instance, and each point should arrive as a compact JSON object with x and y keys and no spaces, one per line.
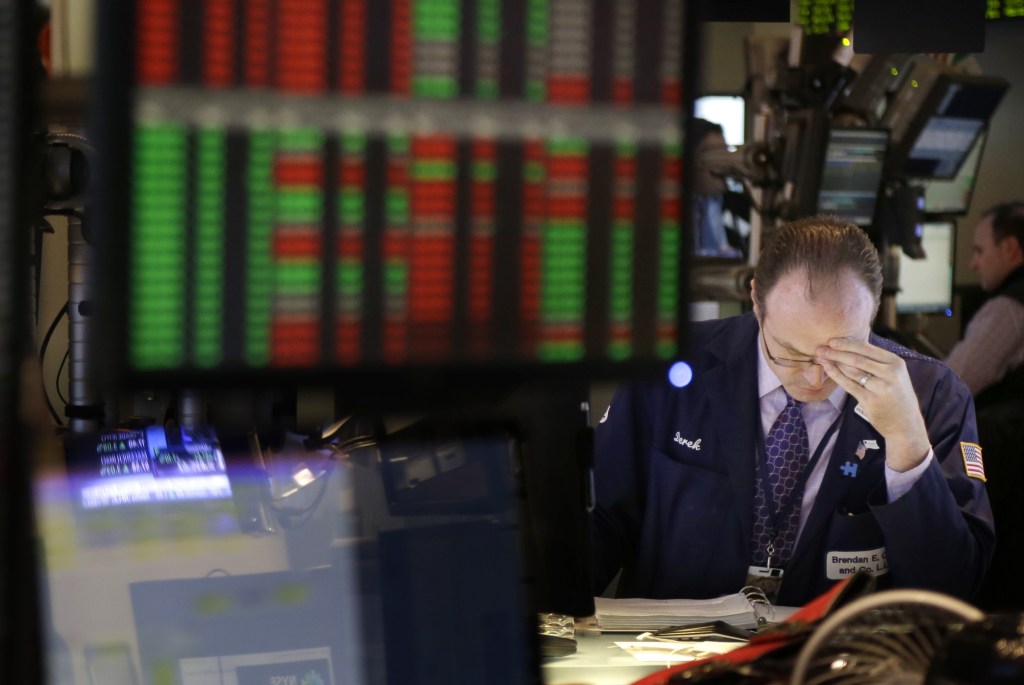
{"x":864,"y":381}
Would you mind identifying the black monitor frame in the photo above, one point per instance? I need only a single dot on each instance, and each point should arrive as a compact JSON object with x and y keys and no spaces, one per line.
{"x":956,"y":99}
{"x":24,"y":593}
{"x":872,"y":135}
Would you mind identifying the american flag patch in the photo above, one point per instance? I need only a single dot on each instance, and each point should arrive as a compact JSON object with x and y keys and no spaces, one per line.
{"x":973,"y":464}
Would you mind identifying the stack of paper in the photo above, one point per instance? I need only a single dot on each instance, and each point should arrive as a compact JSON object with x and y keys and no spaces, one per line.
{"x":638,"y":615}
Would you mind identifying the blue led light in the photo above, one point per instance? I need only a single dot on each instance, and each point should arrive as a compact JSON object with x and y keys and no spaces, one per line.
{"x":680,"y":374}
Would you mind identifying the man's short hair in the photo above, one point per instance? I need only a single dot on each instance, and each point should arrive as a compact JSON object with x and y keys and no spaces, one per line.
{"x":824,"y":247}
{"x":1007,"y":222}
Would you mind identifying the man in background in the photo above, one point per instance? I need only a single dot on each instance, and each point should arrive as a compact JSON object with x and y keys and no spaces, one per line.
{"x":990,"y":360}
{"x":993,"y":344}
{"x":710,"y":221}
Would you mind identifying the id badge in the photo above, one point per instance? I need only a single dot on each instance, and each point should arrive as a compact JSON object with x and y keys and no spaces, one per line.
{"x":768,"y":580}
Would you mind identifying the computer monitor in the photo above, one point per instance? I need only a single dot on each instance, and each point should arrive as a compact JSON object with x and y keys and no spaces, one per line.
{"x":852,"y":173}
{"x":926,"y":285}
{"x":156,"y":481}
{"x":362,"y":192}
{"x":953,"y":196}
{"x":728,"y":111}
{"x":419,"y":581}
{"x":936,"y":118}
{"x":279,"y":627}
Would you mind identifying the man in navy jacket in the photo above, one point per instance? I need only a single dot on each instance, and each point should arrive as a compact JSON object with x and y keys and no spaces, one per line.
{"x":894,"y":482}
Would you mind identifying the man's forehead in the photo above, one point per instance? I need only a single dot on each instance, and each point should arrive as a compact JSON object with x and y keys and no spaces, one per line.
{"x":798,"y":293}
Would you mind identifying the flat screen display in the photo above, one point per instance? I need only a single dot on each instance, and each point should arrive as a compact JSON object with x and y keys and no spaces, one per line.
{"x":129,"y":485}
{"x":953,"y":196}
{"x":942,"y":146}
{"x":728,"y":111}
{"x":324,"y":188}
{"x":127,"y":467}
{"x":926,"y":285}
{"x":852,"y":173}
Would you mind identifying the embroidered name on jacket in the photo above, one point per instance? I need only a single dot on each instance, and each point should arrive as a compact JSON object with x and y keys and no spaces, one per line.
{"x":692,"y":444}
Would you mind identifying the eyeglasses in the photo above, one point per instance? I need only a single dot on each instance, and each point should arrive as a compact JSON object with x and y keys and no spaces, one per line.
{"x":782,"y":361}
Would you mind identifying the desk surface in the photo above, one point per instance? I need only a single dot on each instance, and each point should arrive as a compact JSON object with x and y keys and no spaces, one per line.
{"x":597,"y":661}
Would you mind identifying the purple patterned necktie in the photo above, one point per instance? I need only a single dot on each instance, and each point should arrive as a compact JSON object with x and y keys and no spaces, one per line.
{"x":786,"y":455}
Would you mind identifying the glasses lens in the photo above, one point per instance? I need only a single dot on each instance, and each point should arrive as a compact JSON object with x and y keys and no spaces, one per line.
{"x":782,"y":361}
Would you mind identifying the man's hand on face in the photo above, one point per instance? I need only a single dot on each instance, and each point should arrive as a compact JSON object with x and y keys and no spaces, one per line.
{"x":879,"y":381}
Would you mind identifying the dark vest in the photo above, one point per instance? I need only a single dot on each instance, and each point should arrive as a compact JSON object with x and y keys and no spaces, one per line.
{"x":1011,"y":387}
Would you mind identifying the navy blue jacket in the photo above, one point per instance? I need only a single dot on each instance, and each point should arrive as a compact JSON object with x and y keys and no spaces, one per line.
{"x":678,"y":520}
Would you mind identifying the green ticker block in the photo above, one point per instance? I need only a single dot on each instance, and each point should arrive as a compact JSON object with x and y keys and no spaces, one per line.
{"x":299,"y":205}
{"x":395,"y":277}
{"x":209,"y":224}
{"x":621,"y":288}
{"x":159,"y":275}
{"x":561,"y":304}
{"x":488,"y":31}
{"x":665,"y":349}
{"x":149,"y":179}
{"x":353,"y":144}
{"x":207,"y":356}
{"x":619,"y":350}
{"x":208,"y":289}
{"x":301,"y":139}
{"x":442,"y":28}
{"x":534,"y":172}
{"x":154,"y":329}
{"x":351,"y":217}
{"x":352,"y":201}
{"x":396,"y":207}
{"x":563,"y":243}
{"x":159,"y":222}
{"x":565,"y":229}
{"x":257,"y":354}
{"x":210,"y":184}
{"x":148,"y":358}
{"x":153,"y":302}
{"x":151,"y":156}
{"x":433,"y":170}
{"x":562,"y":267}
{"x":560,"y":351}
{"x":537,"y":22}
{"x":350,"y":277}
{"x":297,"y":278}
{"x":621,"y":314}
{"x":398,"y":143}
{"x":435,"y":86}
{"x":535,"y":90}
{"x":561,"y":311}
{"x":483,"y":172}
{"x":568,"y":146}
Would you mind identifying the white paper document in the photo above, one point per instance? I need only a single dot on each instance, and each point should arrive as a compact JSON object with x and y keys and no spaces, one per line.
{"x":638,"y":615}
